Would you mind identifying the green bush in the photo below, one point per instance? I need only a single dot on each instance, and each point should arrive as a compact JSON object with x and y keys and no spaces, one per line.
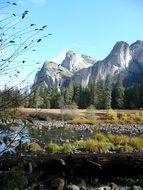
{"x":91,"y":145}
{"x":100,"y":137}
{"x":122,"y":116}
{"x":138,"y":117}
{"x":122,"y":140}
{"x":53,"y":148}
{"x":67,"y":148}
{"x":123,"y":148}
{"x":35,"y":147}
{"x":111,"y":114}
{"x":137,"y":142}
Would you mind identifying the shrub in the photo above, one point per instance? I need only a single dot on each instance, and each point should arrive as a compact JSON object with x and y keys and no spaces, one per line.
{"x":124,"y":148}
{"x":35,"y":147}
{"x":69,"y":112}
{"x":111,"y":114}
{"x":9,"y":113}
{"x":91,"y":145}
{"x":121,"y":140}
{"x":137,"y":142}
{"x":91,"y":113}
{"x":112,"y":138}
{"x":80,"y":120}
{"x":67,"y":148}
{"x":53,"y":148}
{"x":138,"y":117}
{"x":79,"y":144}
{"x":122,"y":116}
{"x":100,"y":137}
{"x":104,"y":146}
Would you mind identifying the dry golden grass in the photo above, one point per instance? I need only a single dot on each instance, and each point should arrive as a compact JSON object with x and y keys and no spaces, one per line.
{"x":79,"y":116}
{"x":122,"y":140}
{"x":80,"y":121}
{"x":137,"y":142}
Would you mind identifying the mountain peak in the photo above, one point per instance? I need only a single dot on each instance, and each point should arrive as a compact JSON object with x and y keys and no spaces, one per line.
{"x":137,"y":44}
{"x":123,"y":59}
{"x":120,"y":46}
{"x":75,"y":62}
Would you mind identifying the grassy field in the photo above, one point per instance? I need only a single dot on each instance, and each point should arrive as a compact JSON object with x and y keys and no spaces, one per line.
{"x":79,"y":116}
{"x":81,"y":112}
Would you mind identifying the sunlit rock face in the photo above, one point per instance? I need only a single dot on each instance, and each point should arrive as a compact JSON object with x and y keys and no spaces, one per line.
{"x":124,"y":59}
{"x":52,"y":75}
{"x":75,"y":62}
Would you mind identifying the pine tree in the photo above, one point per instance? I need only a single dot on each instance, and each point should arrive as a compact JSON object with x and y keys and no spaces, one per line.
{"x":108,"y":92}
{"x":99,"y":94}
{"x":118,"y":94}
{"x":91,"y":87}
{"x":69,"y":92}
{"x":77,"y":94}
{"x":84,"y":101}
{"x":141,"y":96}
{"x":133,"y":97}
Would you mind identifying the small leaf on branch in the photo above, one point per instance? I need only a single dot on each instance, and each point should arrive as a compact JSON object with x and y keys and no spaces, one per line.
{"x":32,"y":24}
{"x":12,"y":41}
{"x":25,"y":47}
{"x":14,"y":14}
{"x":24,"y":14}
{"x":39,"y":40}
{"x":44,"y":26}
{"x":14,"y":4}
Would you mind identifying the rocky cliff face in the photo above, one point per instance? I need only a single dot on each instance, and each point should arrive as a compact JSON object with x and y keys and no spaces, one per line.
{"x":75,"y":62}
{"x":53,"y":75}
{"x":124,"y":59}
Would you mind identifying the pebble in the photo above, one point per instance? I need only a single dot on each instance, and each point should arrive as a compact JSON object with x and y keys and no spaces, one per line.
{"x":72,"y":187}
{"x":128,"y":129}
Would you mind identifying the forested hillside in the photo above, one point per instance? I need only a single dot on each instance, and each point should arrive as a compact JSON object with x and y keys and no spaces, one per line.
{"x":101,"y":95}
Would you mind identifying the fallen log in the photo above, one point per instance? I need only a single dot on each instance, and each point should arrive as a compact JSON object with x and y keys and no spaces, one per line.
{"x":109,"y":164}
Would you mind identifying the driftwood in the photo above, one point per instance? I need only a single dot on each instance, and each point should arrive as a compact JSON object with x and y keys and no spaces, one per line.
{"x":111,"y":164}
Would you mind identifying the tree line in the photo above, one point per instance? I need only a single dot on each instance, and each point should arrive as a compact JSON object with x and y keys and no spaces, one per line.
{"x":101,"y":95}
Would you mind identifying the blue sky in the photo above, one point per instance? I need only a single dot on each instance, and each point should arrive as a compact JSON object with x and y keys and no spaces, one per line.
{"x":90,"y":27}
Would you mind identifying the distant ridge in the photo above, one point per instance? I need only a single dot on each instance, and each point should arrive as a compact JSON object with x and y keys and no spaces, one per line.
{"x":124,"y":59}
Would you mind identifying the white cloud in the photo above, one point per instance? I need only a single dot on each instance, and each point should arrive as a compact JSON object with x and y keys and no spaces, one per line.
{"x":60,"y":57}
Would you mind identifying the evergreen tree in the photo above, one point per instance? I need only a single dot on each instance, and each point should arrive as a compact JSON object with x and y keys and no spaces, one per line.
{"x":91,"y":87}
{"x":99,"y":94}
{"x":108,"y":92}
{"x":11,"y":98}
{"x":68,"y":96}
{"x":118,"y":94}
{"x":141,"y":96}
{"x":77,"y":93}
{"x":55,"y":99}
{"x":133,"y":97}
{"x":84,"y":101}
